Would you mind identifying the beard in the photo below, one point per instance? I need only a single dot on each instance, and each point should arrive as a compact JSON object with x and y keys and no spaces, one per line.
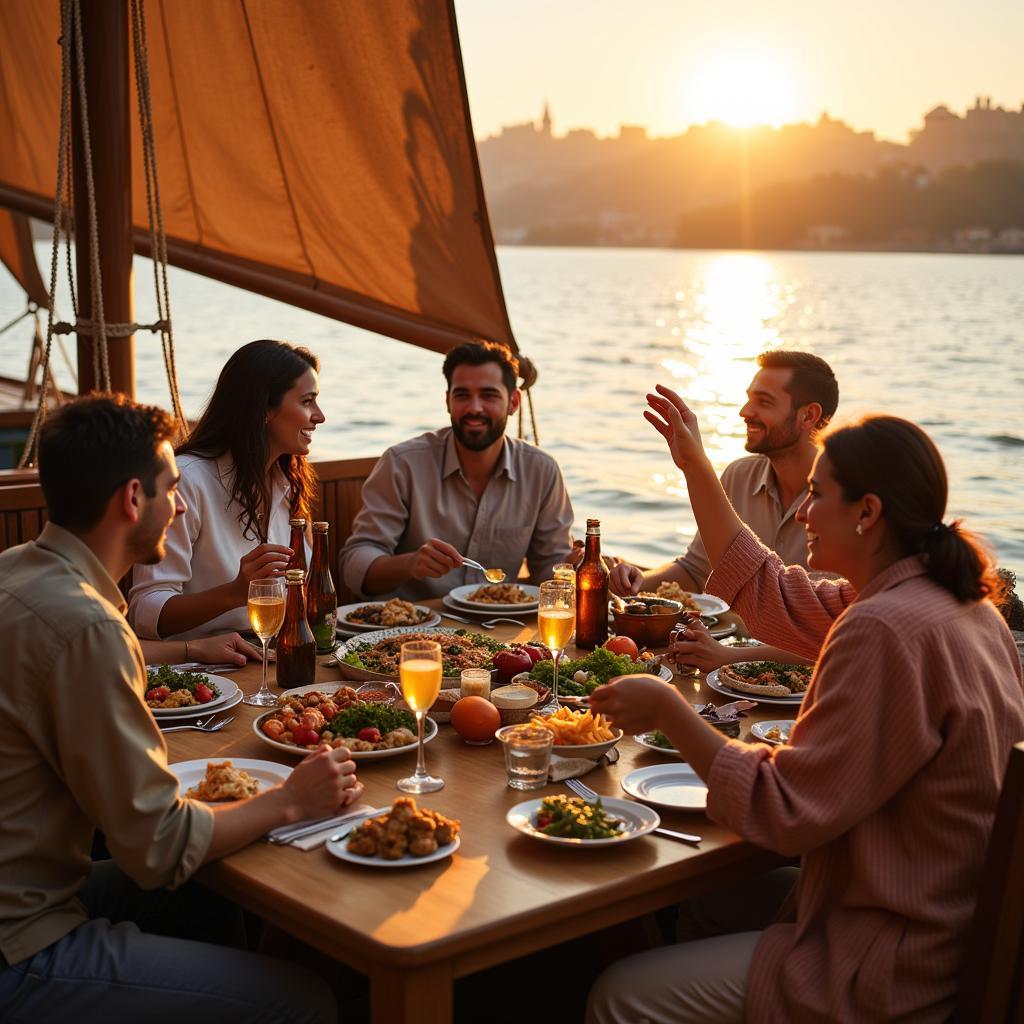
{"x":774,"y":439}
{"x":478,"y":441}
{"x":148,"y":542}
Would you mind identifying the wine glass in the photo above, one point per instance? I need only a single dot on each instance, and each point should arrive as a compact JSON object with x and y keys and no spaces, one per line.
{"x":420,"y":672}
{"x":266,"y":614}
{"x":556,"y":619}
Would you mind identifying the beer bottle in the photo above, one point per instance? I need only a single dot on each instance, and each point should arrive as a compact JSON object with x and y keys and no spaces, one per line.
{"x":296,"y":648}
{"x":297,"y":544}
{"x":321,"y":597}
{"x":592,"y":592}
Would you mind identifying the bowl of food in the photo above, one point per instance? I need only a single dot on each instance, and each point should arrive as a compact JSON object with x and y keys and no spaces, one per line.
{"x":647,"y":620}
{"x":579,"y":733}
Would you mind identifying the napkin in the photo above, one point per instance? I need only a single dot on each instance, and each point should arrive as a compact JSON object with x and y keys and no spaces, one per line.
{"x":562,"y":768}
{"x":343,"y":823}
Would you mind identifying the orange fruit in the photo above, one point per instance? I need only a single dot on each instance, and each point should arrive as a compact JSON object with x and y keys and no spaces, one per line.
{"x":475,"y":719}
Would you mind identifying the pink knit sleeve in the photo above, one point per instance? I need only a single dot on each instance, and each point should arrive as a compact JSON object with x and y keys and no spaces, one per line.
{"x":780,"y":604}
{"x":863,"y":732}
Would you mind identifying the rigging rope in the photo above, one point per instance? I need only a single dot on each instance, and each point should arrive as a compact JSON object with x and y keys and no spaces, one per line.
{"x":97,"y":327}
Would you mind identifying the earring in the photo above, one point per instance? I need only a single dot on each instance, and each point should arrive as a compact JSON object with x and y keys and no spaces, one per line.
{"x":860,"y":530}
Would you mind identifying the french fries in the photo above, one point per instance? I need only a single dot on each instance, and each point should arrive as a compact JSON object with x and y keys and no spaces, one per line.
{"x":575,"y":728}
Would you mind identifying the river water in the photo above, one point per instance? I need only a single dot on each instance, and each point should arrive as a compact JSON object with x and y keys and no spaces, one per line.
{"x":936,"y":338}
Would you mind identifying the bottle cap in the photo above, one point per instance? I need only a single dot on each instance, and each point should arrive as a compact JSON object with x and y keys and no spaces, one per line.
{"x":298,"y":521}
{"x":295,"y":575}
{"x":593,"y":524}
{"x":321,"y":527}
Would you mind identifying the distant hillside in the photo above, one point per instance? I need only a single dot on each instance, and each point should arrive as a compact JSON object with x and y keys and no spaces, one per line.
{"x":963,"y":207}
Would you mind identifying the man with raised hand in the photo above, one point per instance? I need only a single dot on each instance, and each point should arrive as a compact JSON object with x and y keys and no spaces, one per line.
{"x":465,"y":490}
{"x":80,"y":751}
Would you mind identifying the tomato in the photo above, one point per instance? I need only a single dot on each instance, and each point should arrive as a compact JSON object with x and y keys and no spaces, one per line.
{"x":543,"y":821}
{"x":622,"y":645}
{"x":511,"y":663}
{"x":203,"y":693}
{"x":158,"y":693}
{"x":371,"y":734}
{"x":537,"y":652}
{"x":305,"y":736}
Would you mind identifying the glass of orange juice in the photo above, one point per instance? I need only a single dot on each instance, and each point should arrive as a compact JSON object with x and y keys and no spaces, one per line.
{"x":419,"y":670}
{"x":556,"y":619}
{"x":266,"y":614}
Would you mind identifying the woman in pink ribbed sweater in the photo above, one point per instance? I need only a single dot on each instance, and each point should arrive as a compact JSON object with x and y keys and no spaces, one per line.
{"x":888,"y":787}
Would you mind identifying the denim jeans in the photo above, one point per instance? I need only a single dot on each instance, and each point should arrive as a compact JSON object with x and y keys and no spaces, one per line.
{"x":154,"y":957}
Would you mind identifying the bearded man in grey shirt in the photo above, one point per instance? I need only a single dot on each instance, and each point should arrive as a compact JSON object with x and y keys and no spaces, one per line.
{"x":465,"y":490}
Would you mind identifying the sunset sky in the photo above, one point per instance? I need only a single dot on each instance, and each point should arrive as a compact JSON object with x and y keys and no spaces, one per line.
{"x":879,"y":64}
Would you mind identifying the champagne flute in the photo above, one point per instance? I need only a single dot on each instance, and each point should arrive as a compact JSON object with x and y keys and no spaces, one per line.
{"x":266,"y":614}
{"x":420,"y":672}
{"x":556,"y":619}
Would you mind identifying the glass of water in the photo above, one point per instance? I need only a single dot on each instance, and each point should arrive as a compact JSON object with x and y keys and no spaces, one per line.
{"x":527,"y":755}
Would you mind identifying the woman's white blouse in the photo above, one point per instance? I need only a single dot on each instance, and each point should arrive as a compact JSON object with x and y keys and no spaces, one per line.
{"x":204,"y":546}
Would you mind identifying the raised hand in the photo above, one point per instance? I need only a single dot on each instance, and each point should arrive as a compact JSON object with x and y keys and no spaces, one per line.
{"x":626,"y":579}
{"x":695,"y":647}
{"x":676,"y":422}
{"x":635,"y":703}
{"x":434,"y":559}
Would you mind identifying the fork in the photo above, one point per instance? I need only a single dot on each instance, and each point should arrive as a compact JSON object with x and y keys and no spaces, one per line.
{"x":469,"y":622}
{"x":590,"y":795}
{"x":202,"y":726}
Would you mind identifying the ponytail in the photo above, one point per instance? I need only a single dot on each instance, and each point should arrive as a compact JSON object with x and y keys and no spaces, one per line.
{"x":897,"y":461}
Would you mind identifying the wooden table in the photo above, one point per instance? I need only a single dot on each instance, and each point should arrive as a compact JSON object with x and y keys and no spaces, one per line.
{"x":501,"y":896}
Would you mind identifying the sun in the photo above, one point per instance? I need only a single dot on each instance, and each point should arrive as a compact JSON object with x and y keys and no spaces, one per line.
{"x":742,"y":90}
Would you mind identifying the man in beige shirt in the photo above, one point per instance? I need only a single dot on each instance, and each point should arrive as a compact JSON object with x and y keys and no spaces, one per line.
{"x":79,"y":750}
{"x":792,"y":396}
{"x":467,"y":490}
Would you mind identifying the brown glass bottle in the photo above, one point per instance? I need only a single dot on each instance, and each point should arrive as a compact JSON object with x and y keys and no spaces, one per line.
{"x":297,"y":544}
{"x":321,"y":597}
{"x":296,"y":648}
{"x":592,"y":592}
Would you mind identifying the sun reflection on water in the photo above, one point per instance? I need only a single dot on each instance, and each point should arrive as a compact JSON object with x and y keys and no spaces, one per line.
{"x":731,"y":313}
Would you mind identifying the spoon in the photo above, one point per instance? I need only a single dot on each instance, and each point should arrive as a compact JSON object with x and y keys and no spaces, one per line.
{"x":491,"y":575}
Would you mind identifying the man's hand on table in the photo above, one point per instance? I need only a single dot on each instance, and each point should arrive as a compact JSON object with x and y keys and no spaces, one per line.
{"x":322,"y":783}
{"x":226,"y":649}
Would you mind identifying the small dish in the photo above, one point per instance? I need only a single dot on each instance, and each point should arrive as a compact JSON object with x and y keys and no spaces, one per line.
{"x":339,"y":849}
{"x":784,"y":725}
{"x":267,"y":773}
{"x":646,"y":740}
{"x":590,"y":751}
{"x":676,"y":786}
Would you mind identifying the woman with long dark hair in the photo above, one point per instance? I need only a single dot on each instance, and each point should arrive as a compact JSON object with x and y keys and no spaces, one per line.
{"x":244,"y":473}
{"x":888,"y":786}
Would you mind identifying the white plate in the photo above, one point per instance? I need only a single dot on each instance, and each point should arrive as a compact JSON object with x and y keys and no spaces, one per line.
{"x":676,"y":786}
{"x":329,"y":688}
{"x":339,"y":849}
{"x":199,"y":711}
{"x":268,"y":773}
{"x":479,"y":612}
{"x":758,"y":730}
{"x":429,"y":732}
{"x":793,"y":700}
{"x":228,"y":691}
{"x":355,"y":628}
{"x":461,"y":596}
{"x":709,"y":604}
{"x":644,"y":739}
{"x":718,"y":632}
{"x":637,"y":821}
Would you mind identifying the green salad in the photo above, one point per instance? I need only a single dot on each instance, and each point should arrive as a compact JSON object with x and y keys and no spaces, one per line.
{"x":659,"y":739}
{"x":573,"y":818}
{"x":164,"y":675}
{"x":600,"y":665}
{"x":371,"y":716}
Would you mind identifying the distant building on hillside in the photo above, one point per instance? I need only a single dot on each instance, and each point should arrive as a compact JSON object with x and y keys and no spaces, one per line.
{"x":985,"y":132}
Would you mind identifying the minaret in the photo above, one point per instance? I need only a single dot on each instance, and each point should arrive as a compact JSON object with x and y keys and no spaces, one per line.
{"x":545,"y":124}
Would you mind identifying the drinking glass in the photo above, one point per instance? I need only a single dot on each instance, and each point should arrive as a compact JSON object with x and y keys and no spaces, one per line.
{"x":266,"y":614}
{"x":420,"y":672}
{"x":556,"y":619}
{"x":564,"y":571}
{"x":527,"y":755}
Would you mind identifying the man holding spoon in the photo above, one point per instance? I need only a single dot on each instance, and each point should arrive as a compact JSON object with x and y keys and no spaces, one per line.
{"x":494,"y":499}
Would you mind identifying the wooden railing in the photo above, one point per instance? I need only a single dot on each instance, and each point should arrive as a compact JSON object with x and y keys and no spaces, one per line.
{"x":23,"y":509}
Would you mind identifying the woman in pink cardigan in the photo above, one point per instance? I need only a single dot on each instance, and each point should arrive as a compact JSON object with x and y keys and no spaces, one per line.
{"x":888,"y":787}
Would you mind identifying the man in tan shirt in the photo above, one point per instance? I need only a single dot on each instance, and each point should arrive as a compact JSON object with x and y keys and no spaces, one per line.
{"x":79,"y":750}
{"x":793,"y":395}
{"x":466,"y":490}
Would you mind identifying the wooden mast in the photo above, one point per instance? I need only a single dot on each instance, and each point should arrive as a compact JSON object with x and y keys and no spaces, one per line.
{"x":108,"y":94}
